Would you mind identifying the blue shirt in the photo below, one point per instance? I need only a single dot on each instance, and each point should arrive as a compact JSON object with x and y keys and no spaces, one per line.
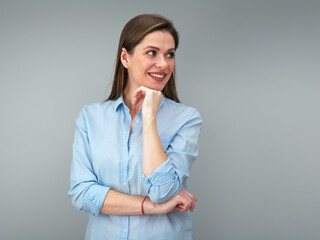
{"x":106,"y":157}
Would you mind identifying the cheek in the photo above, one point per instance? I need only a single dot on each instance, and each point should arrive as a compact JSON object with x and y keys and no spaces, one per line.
{"x":147,"y":64}
{"x":141,"y":65}
{"x":171,"y":65}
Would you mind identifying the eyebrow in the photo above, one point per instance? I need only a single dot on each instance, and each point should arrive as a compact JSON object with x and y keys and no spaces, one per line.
{"x":159,"y":48}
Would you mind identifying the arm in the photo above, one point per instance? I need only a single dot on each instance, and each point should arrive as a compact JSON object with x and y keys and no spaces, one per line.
{"x":166,"y":181}
{"x":117,"y":203}
{"x":165,"y":172}
{"x":153,"y":154}
{"x":85,"y":192}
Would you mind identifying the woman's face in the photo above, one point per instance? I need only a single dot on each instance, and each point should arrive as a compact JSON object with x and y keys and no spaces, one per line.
{"x":152,"y":61}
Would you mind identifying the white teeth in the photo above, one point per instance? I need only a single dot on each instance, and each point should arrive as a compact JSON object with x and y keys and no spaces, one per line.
{"x":157,"y":75}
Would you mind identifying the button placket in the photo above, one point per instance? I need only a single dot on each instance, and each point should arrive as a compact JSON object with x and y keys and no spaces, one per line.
{"x":124,"y":161}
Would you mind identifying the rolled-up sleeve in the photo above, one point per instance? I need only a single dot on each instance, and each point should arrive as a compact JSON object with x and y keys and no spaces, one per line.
{"x":86,"y":194}
{"x":166,"y":181}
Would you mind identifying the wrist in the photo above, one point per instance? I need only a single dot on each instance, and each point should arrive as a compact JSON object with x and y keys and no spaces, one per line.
{"x":149,"y":125}
{"x":149,"y":207}
{"x":148,"y":118}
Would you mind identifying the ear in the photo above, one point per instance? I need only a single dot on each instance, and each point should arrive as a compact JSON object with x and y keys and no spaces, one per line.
{"x":124,"y":57}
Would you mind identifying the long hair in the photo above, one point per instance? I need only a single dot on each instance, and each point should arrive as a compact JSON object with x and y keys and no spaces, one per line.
{"x":132,"y":34}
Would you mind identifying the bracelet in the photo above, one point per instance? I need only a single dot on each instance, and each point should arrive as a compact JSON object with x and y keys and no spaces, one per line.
{"x":142,"y":205}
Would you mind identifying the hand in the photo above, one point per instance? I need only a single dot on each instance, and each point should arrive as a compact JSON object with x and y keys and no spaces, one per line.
{"x":187,"y":201}
{"x":183,"y":201}
{"x":151,"y":101}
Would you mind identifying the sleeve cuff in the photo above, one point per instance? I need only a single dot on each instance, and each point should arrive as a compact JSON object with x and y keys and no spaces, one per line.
{"x":163,"y":184}
{"x":95,"y":198}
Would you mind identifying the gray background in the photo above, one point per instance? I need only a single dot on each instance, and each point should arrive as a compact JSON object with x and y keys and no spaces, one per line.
{"x":250,"y":67}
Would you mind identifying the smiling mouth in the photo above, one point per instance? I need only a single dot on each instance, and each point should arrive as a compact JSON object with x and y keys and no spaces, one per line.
{"x":159,"y":76}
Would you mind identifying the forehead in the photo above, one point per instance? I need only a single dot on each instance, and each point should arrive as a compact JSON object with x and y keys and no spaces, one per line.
{"x":160,"y":39}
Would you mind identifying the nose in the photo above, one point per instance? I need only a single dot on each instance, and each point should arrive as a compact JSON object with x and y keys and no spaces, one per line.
{"x":161,"y":62}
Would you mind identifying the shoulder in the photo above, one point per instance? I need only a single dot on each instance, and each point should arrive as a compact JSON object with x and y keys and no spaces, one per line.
{"x":97,"y":107}
{"x":176,"y":117}
{"x":178,"y":109}
{"x":94,"y":110}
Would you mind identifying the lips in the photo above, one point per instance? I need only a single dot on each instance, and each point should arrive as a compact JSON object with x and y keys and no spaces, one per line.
{"x":158,"y":76}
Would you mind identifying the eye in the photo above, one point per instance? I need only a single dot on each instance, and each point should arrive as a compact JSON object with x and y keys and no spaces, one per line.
{"x":171,"y":55}
{"x":151,"y":53}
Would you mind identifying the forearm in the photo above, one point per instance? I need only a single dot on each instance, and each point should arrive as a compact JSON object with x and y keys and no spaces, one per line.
{"x":153,"y":153}
{"x":117,"y":203}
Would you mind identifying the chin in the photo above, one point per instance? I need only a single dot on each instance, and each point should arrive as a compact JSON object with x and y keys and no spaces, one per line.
{"x":157,"y":88}
{"x":154,"y":87}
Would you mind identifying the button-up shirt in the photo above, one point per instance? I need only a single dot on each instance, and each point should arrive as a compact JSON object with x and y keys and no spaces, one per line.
{"x":106,"y":156}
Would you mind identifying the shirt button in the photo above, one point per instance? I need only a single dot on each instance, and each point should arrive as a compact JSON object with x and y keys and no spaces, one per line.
{"x":125,"y":230}
{"x":125,"y":159}
{"x":124,"y":183}
{"x":138,"y":121}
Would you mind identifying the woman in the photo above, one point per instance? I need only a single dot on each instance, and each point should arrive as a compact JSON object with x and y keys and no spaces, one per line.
{"x":132,"y":153}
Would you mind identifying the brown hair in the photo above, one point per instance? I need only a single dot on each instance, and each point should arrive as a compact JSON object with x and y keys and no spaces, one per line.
{"x":132,"y":34}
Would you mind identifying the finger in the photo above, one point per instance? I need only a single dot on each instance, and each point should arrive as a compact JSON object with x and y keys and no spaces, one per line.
{"x":193,"y":205}
{"x":135,"y":101}
{"x":195,"y":200}
{"x":191,"y":198}
{"x":186,"y":193}
{"x":179,"y":208}
{"x":140,"y":90}
{"x":183,"y":205}
{"x":189,"y":194}
{"x":187,"y":202}
{"x":188,"y":197}
{"x":138,"y":96}
{"x":182,"y":209}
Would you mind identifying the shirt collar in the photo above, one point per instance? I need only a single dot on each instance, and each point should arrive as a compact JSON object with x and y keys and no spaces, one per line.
{"x":162,"y":101}
{"x":120,"y":101}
